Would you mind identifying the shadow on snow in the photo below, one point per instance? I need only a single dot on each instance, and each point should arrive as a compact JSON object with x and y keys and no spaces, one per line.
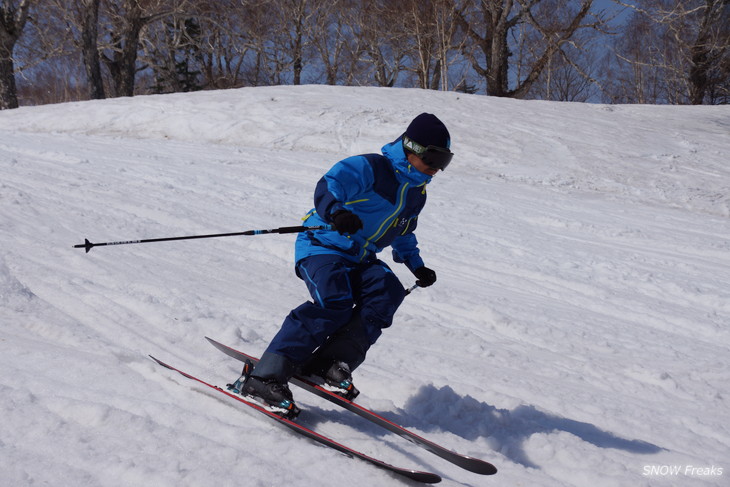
{"x":506,"y":431}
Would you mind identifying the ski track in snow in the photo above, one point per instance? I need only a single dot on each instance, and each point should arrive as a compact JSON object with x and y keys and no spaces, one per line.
{"x":578,"y":331}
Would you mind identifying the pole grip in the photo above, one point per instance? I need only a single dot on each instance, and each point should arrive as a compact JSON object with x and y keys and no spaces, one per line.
{"x":290,"y":229}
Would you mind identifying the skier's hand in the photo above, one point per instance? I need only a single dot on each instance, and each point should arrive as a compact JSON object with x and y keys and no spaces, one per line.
{"x":425,"y":276}
{"x":346,"y":222}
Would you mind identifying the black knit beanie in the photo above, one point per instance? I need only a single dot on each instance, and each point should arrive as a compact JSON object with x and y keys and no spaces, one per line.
{"x":427,"y":129}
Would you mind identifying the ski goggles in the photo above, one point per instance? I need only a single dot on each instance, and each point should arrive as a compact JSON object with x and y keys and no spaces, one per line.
{"x":433,"y":156}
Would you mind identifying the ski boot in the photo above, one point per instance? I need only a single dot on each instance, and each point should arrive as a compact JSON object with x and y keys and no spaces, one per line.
{"x":337,"y":378}
{"x":273,"y":395}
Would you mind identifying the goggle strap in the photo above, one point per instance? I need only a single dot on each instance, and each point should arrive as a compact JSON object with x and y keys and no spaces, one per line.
{"x":413,"y":146}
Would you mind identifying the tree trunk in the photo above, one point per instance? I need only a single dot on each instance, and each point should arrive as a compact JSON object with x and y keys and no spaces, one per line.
{"x":123,"y":62}
{"x":8,"y":89}
{"x":711,"y":44}
{"x":12,"y":22}
{"x":90,"y":50}
{"x":298,"y":43}
{"x":497,"y":52}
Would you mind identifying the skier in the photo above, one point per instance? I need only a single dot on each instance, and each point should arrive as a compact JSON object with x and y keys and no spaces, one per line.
{"x":373,"y":202}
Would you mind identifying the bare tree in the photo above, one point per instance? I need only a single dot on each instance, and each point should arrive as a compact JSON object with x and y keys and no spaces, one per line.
{"x":704,"y":33}
{"x":383,"y":39}
{"x":289,"y":43}
{"x":433,"y":36}
{"x":450,"y":43}
{"x":13,"y":17}
{"x":671,"y":51}
{"x":224,"y":43}
{"x":564,"y":66}
{"x":80,"y":22}
{"x":89,"y":49}
{"x":266,"y":62}
{"x":332,"y":35}
{"x":491,"y":24}
{"x":421,"y":18}
{"x":121,"y":26}
{"x":298,"y":12}
{"x":120,"y":54}
{"x":633,"y":79}
{"x":487,"y":23}
{"x":278,"y":36}
{"x":686,"y":49}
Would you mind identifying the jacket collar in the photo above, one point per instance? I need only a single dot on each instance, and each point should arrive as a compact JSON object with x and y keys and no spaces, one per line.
{"x":405,"y":172}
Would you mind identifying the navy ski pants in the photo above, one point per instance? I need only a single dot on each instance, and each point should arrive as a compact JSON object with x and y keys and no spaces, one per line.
{"x":358,"y":300}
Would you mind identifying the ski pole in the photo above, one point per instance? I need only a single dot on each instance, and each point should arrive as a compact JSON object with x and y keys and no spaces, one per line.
{"x":88,"y":245}
{"x":411,"y":289}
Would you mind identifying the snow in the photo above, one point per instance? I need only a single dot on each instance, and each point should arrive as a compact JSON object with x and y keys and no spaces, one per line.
{"x":577,"y":334}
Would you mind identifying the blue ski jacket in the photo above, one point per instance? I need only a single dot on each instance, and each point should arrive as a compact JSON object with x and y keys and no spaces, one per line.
{"x":385,"y":191}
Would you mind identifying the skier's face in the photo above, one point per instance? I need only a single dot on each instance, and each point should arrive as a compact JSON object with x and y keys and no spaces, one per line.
{"x":418,"y":163}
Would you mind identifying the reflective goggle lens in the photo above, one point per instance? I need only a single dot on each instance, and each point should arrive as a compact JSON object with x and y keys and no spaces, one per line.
{"x":437,"y":157}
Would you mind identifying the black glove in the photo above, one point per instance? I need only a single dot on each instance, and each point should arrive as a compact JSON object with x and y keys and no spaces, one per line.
{"x":425,"y":276}
{"x":346,"y":222}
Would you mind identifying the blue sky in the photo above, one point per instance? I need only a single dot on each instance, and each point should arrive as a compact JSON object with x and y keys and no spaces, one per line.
{"x":611,"y":6}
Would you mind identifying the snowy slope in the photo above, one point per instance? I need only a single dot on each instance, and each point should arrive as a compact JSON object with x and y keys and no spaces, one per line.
{"x":578,"y":333}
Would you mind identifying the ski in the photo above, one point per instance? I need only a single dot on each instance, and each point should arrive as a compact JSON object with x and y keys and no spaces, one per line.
{"x":418,"y":476}
{"x":471,"y":464}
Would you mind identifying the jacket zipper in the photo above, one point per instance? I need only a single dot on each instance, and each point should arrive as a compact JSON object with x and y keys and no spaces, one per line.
{"x":391,"y":218}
